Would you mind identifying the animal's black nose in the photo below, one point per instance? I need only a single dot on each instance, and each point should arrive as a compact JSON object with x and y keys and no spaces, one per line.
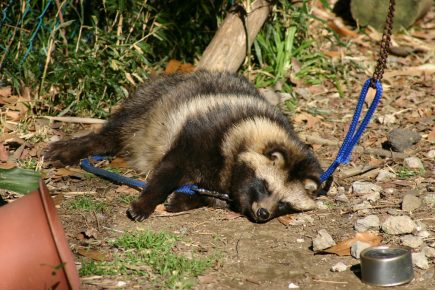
{"x":263,"y":214}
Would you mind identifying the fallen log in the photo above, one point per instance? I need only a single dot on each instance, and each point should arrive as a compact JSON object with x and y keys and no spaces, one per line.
{"x":228,"y":48}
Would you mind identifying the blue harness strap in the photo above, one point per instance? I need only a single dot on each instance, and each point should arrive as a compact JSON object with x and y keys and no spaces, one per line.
{"x":354,"y":133}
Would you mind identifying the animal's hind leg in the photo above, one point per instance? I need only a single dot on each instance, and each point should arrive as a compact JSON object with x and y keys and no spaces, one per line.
{"x":70,"y":152}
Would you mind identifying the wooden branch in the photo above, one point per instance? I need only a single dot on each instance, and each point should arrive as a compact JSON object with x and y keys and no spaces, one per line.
{"x":359,"y":149}
{"x":75,"y":120}
{"x":227,"y":50}
{"x":357,"y":171}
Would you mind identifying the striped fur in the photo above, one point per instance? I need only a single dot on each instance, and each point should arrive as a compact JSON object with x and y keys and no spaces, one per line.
{"x":208,"y":128}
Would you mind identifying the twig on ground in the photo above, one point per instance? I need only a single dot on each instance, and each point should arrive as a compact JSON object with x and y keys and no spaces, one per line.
{"x":359,"y":149}
{"x":357,"y":170}
{"x":169,"y":214}
{"x":332,"y":282}
{"x":75,"y":120}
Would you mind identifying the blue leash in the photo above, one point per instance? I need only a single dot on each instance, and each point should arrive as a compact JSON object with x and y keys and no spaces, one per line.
{"x":189,"y":189}
{"x":352,"y":137}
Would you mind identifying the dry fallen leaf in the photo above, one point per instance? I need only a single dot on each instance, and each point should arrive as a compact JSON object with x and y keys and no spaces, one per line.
{"x":124,"y":189}
{"x":343,"y":248}
{"x":309,"y":120}
{"x":93,"y":254}
{"x":160,"y":209}
{"x":4,"y":155}
{"x":119,"y":162}
{"x":174,"y":66}
{"x":62,"y":172}
{"x":286,"y":219}
{"x":431,"y":135}
{"x":5,"y":92}
{"x":338,"y":26}
{"x":7,"y":165}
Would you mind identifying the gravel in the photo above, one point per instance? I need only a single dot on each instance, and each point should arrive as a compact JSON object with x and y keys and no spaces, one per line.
{"x":322,"y":241}
{"x":385,"y":175}
{"x":420,"y":261}
{"x":411,"y":241}
{"x":363,"y":187}
{"x":400,"y":139}
{"x":429,"y":199}
{"x":413,"y":163}
{"x":339,"y":267}
{"x":370,"y":222}
{"x":397,"y":225}
{"x":410,"y":202}
{"x":357,"y":248}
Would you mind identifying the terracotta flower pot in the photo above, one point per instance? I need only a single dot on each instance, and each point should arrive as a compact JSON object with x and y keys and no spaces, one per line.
{"x":34,"y":253}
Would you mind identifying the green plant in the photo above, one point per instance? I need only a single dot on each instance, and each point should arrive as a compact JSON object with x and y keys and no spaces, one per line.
{"x":19,"y":180}
{"x":82,"y":57}
{"x":87,"y":204}
{"x":404,"y":173}
{"x":141,"y":252}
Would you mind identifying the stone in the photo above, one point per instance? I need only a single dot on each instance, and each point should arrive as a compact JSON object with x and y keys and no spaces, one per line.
{"x":363,"y":187}
{"x":387,"y":119}
{"x":420,"y":261}
{"x":322,"y":241}
{"x":429,"y":199}
{"x":385,"y":175}
{"x":420,"y":226}
{"x":372,"y":197}
{"x":428,"y":252}
{"x":431,"y":154}
{"x":413,"y":163}
{"x":362,"y":206}
{"x":411,"y":241}
{"x":342,"y":198}
{"x":321,"y":204}
{"x":410,"y":202}
{"x":339,"y":267}
{"x":370,"y":222}
{"x":389,"y":190}
{"x":394,"y":211}
{"x":397,"y":225}
{"x":400,"y":139}
{"x":423,"y":234}
{"x":357,"y":248}
{"x":293,"y":286}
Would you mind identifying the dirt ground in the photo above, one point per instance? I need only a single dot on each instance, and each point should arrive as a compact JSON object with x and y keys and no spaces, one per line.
{"x":274,"y":255}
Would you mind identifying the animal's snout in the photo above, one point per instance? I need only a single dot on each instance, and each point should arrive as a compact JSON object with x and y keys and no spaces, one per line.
{"x":263,"y":214}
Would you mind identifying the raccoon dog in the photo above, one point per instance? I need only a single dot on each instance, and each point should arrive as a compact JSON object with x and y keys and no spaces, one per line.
{"x":211,"y":129}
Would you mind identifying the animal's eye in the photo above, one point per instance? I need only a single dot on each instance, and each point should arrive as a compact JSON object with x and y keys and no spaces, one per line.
{"x":277,"y":158}
{"x":283,"y":207}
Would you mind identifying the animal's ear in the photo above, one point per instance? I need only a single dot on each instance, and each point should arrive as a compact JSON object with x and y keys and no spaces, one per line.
{"x":277,"y":159}
{"x":310,"y":186}
{"x":277,"y":155}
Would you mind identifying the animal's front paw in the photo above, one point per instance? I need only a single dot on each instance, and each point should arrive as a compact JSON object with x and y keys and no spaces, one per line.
{"x":138,"y":212}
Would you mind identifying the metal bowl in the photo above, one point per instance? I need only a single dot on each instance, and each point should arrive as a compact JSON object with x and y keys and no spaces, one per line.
{"x":386,"y":266}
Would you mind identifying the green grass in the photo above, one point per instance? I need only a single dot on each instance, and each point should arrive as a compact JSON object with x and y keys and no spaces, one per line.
{"x":141,"y":252}
{"x":404,"y":173}
{"x":87,"y":55}
{"x":28,"y":163}
{"x":87,"y":204}
{"x":127,"y":199}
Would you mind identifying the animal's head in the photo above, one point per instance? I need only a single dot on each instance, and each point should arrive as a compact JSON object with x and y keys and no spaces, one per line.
{"x":271,"y":178}
{"x":273,"y":183}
